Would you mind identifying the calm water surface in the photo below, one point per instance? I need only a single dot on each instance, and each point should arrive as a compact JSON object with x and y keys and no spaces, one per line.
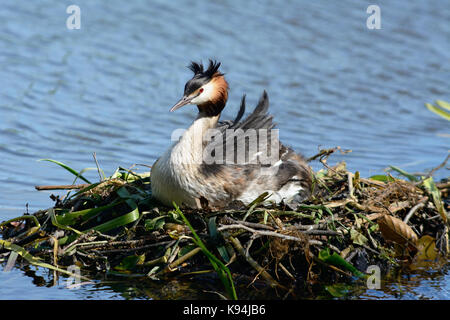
{"x":107,"y":88}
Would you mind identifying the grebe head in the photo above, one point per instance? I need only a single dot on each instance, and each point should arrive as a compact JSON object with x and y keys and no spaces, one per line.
{"x":207,"y":89}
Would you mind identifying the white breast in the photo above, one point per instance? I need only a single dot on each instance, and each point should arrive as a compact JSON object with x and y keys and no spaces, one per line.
{"x":175,"y":175}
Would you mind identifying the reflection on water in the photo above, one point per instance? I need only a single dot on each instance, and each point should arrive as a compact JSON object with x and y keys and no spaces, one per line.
{"x":32,"y":283}
{"x":107,"y":87}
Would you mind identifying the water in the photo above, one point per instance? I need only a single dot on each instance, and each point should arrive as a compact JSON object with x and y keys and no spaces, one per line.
{"x":107,"y":87}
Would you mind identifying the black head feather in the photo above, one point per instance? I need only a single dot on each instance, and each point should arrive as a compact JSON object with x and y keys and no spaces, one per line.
{"x":201,"y":76}
{"x":212,"y":68}
{"x":198,"y":69}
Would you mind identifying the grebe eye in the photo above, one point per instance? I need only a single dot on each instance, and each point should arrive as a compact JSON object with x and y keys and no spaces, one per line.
{"x":201,"y":90}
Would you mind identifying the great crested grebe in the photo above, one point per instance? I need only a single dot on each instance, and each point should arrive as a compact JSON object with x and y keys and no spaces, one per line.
{"x":200,"y":169}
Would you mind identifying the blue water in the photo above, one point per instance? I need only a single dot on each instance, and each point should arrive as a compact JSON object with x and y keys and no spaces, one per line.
{"x":107,"y":87}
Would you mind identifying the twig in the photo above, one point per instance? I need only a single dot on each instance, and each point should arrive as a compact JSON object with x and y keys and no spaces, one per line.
{"x":443,"y":185}
{"x":373,"y":182}
{"x":250,"y":242}
{"x":248,"y":224}
{"x":439,"y":166}
{"x":322,"y":232}
{"x":273,"y":283}
{"x":98,"y":167}
{"x":134,"y":249}
{"x":279,"y":235}
{"x":325,"y":153}
{"x":180,"y":260}
{"x":433,"y":217}
{"x":260,"y":232}
{"x":323,"y":162}
{"x":74,"y":243}
{"x":351,"y":255}
{"x":307,"y":227}
{"x":159,"y":260}
{"x":173,"y":254}
{"x":369,"y":248}
{"x":414,"y":209}
{"x":322,"y":153}
{"x":350,"y":184}
{"x":144,"y":165}
{"x":286,"y":271}
{"x":63,"y":187}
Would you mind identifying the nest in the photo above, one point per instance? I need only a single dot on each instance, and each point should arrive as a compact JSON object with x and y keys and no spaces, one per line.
{"x":115,"y":227}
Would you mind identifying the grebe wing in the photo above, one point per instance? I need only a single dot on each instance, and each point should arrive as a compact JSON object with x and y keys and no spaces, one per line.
{"x":258,"y":120}
{"x":288,"y":178}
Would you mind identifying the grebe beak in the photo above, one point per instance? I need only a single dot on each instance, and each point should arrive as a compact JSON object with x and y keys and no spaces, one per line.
{"x":183,"y":101}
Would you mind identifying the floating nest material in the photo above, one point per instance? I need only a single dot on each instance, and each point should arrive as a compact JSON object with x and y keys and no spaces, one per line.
{"x":350,"y":223}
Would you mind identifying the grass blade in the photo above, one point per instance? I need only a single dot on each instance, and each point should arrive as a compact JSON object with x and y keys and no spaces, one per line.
{"x":74,"y":172}
{"x":432,"y":189}
{"x":338,"y":261}
{"x":443,"y":104}
{"x":82,"y":215}
{"x":216,"y":236}
{"x":382,"y":178}
{"x":405,"y":174}
{"x":119,"y":221}
{"x":444,"y":114}
{"x":261,"y":198}
{"x":223,"y":272}
{"x":56,"y":223}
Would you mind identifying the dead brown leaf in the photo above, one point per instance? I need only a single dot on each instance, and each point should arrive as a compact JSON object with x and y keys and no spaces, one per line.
{"x":396,"y":230}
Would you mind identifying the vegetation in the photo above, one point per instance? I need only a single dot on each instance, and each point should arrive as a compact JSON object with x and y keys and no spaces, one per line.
{"x":114,"y":227}
{"x":442,"y":109}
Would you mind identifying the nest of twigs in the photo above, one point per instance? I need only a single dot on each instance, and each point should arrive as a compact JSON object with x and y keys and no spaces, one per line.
{"x":349,"y":224}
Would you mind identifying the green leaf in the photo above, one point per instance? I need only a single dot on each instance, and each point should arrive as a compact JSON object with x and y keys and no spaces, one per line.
{"x":82,"y":215}
{"x":155,"y":223}
{"x":55,"y":222}
{"x":222,"y":271}
{"x":405,"y":174}
{"x":444,"y":114}
{"x":432,"y":189}
{"x":255,"y":202}
{"x":382,"y":178}
{"x":337,"y":261}
{"x":212,"y":227}
{"x":443,"y":104}
{"x":74,"y":172}
{"x":357,"y":237}
{"x":130,"y":262}
{"x":186,"y":249}
{"x":119,"y":221}
{"x":124,"y":194}
{"x":31,"y":217}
